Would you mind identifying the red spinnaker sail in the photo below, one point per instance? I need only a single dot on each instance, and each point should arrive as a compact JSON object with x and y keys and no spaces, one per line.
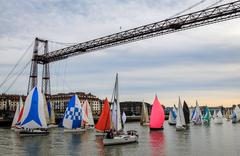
{"x":104,"y":121}
{"x":157,"y":115}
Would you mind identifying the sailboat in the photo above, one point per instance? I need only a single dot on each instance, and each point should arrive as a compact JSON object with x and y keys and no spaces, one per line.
{"x":207,"y":116}
{"x":219,"y":118}
{"x":124,"y":118}
{"x":157,"y":115}
{"x":236,"y":114}
{"x":51,"y":116}
{"x":172,"y":116}
{"x":87,"y":109}
{"x":104,"y":122}
{"x":17,"y":114}
{"x":118,"y":137}
{"x":227,"y":115}
{"x":214,"y":114}
{"x":144,"y":120}
{"x":197,"y":115}
{"x":180,"y":120}
{"x":33,"y":120}
{"x":186,"y":113}
{"x":73,"y":116}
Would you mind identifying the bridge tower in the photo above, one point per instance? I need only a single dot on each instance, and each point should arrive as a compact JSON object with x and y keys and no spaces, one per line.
{"x":33,"y":79}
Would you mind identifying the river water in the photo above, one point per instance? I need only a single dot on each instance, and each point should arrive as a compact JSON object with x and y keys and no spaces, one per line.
{"x":213,"y":140}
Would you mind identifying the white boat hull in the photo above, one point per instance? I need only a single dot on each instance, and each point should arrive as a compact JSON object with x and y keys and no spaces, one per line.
{"x":218,"y":120}
{"x":77,"y":130}
{"x":118,"y":140}
{"x":180,"y":128}
{"x":52,"y":126}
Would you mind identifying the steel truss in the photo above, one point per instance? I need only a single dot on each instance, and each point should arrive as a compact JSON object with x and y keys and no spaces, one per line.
{"x":196,"y":19}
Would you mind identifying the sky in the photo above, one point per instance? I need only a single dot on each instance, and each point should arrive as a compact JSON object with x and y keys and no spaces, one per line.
{"x":198,"y":64}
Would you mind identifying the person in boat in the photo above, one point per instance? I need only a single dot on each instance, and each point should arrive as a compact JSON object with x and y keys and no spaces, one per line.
{"x":110,"y":134}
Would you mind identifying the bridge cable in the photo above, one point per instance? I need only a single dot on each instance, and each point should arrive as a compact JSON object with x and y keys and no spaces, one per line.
{"x":19,"y":74}
{"x":189,"y":8}
{"x":219,"y":1}
{"x":15,"y":66}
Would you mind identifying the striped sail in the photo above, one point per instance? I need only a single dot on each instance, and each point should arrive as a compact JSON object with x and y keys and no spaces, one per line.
{"x":34,"y":113}
{"x":51,"y":113}
{"x":17,"y":112}
{"x":73,"y":115}
{"x":88,"y":112}
{"x":197,"y":115}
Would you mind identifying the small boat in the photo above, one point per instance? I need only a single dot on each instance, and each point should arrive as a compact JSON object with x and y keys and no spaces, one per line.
{"x":104,"y":121}
{"x":17,"y":115}
{"x":172,"y":116}
{"x":33,"y":120}
{"x":227,"y":115}
{"x":207,"y":116}
{"x":214,"y":114}
{"x":236,"y":114}
{"x":157,"y":115}
{"x":218,"y":118}
{"x":180,"y":120}
{"x":117,"y":136}
{"x":88,"y":112}
{"x":186,"y":113}
{"x":144,"y":120}
{"x":197,"y":115}
{"x":51,"y":116}
{"x":73,"y":116}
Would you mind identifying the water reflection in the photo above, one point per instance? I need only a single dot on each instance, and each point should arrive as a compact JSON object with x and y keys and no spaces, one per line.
{"x":157,"y":143}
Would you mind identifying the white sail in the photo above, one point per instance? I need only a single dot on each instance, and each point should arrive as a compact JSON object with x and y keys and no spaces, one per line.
{"x":17,"y":112}
{"x":144,"y":114}
{"x":124,"y":118}
{"x":214,"y":114}
{"x":46,"y":110}
{"x":237,"y":111}
{"x":219,"y":118}
{"x":87,"y":109}
{"x":116,"y":115}
{"x":180,"y":120}
{"x":34,"y":111}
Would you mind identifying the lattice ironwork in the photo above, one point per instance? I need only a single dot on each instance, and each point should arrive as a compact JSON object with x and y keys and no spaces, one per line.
{"x":196,"y":19}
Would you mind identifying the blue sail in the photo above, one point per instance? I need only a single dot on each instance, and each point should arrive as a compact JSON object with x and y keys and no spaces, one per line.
{"x":49,"y":109}
{"x":73,"y":115}
{"x":33,"y":113}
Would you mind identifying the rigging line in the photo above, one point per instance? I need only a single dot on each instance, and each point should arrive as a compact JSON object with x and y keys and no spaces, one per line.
{"x":219,"y":1}
{"x":19,"y":74}
{"x":189,"y":8}
{"x":15,"y":66}
{"x":62,"y":43}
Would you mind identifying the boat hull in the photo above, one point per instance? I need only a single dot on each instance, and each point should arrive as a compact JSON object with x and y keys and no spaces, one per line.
{"x":77,"y":130}
{"x":156,"y":129}
{"x":172,"y":123}
{"x":218,"y":121}
{"x":52,"y":126}
{"x":180,"y":128}
{"x":23,"y":133}
{"x":118,"y":140}
{"x":145,"y":124}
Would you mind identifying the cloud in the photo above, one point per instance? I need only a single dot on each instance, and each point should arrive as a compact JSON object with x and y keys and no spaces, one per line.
{"x":197,"y":63}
